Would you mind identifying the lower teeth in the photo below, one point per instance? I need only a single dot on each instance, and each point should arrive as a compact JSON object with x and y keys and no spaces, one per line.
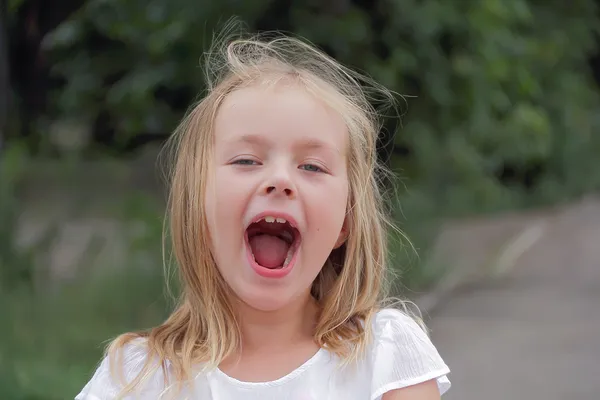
{"x":289,"y":256}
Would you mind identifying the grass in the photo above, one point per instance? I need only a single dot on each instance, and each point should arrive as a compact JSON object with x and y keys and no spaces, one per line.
{"x":51,"y":342}
{"x":53,"y":334}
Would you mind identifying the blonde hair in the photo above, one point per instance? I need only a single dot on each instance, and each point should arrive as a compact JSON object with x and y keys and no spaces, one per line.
{"x":203,"y":328}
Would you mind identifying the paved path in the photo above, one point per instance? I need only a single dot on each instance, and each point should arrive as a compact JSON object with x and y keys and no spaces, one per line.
{"x":535,"y":333}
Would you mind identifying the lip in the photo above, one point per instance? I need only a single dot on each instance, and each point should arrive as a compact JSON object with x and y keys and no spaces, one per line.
{"x":268,"y":272}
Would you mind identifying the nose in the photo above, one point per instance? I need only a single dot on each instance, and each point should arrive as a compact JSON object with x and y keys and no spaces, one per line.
{"x":279,"y":184}
{"x":277,"y":188}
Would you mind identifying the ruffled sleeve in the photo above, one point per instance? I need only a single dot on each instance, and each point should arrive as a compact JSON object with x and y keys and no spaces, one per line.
{"x":103,"y":386}
{"x":403,"y":355}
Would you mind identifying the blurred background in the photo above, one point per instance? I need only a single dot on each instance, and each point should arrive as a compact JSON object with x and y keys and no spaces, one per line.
{"x":498,"y":159}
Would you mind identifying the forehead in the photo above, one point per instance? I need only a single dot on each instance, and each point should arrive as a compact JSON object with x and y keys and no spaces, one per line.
{"x":281,"y":112}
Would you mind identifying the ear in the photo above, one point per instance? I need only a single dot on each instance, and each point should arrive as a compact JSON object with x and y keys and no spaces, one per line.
{"x":343,"y":235}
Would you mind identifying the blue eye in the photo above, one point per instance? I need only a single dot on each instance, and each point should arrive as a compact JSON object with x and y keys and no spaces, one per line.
{"x":245,"y":161}
{"x":311,"y":168}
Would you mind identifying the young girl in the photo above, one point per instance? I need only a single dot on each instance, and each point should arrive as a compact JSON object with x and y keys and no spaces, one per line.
{"x":279,"y":234}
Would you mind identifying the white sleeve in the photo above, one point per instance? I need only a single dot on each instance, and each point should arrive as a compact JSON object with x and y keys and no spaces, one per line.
{"x":103,"y":386}
{"x":403,"y":355}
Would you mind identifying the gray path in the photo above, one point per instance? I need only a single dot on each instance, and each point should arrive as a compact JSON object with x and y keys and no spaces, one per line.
{"x":535,"y":333}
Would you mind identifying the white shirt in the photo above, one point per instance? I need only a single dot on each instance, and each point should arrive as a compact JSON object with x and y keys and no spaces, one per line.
{"x":400,"y":355}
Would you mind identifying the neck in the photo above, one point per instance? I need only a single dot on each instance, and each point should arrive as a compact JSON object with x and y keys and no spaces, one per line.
{"x":277,"y":328}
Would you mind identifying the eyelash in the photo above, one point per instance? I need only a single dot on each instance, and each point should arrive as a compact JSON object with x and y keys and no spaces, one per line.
{"x":239,"y":162}
{"x":243,"y":161}
{"x":319,"y":169}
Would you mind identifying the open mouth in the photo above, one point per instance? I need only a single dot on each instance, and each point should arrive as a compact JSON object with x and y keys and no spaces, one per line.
{"x":272,"y":243}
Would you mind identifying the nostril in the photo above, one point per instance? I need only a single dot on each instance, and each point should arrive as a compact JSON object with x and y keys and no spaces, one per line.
{"x":285,"y":190}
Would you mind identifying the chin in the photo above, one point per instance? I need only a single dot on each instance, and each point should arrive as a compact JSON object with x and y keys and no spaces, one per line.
{"x":264,"y":293}
{"x":268,"y":300}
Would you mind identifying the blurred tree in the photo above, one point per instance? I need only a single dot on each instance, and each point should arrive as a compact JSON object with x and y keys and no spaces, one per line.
{"x":506,"y":107}
{"x":4,"y":77}
{"x":501,"y":102}
{"x":131,"y":68}
{"x":29,"y":21}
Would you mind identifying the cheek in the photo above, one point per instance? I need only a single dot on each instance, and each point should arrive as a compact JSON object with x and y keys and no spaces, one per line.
{"x":329,"y":212}
{"x":341,"y":206}
{"x":231,"y":187}
{"x":224,"y":207}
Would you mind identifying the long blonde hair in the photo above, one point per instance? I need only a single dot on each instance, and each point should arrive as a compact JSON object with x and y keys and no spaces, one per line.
{"x":203,"y":329}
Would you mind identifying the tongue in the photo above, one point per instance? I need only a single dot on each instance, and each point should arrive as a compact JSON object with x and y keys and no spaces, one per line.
{"x":269,"y":251}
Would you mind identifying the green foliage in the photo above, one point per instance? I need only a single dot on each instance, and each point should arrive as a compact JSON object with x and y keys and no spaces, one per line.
{"x":499,"y":85}
{"x":500,"y":88}
{"x":119,"y":57}
{"x":13,"y":5}
{"x":51,"y":343}
{"x":16,"y":263}
{"x":52,"y":339}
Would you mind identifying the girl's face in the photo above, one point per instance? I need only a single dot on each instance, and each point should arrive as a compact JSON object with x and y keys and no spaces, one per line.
{"x":276,"y":202}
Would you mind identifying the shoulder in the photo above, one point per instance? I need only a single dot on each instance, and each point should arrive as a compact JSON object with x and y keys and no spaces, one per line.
{"x":391,"y":323}
{"x":393,"y":316}
{"x":116,"y":372}
{"x":402,"y":354}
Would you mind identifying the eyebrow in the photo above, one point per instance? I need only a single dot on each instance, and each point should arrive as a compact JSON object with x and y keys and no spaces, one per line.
{"x":305,"y":144}
{"x":251,"y":139}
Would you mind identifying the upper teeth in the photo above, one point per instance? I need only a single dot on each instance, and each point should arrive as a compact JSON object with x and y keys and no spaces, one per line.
{"x":273,"y":219}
